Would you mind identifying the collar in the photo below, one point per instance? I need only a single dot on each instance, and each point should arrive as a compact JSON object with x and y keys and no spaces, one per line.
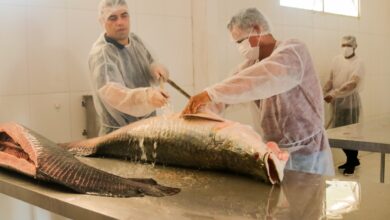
{"x":112,"y":41}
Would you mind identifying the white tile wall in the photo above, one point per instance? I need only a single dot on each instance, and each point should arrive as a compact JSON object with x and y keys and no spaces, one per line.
{"x":48,"y":3}
{"x":15,"y":108}
{"x":232,"y":6}
{"x":13,"y":68}
{"x":181,"y":8}
{"x":325,"y":21}
{"x":293,"y":17}
{"x":305,"y":34}
{"x":323,"y":51}
{"x":169,"y":39}
{"x":91,"y":5}
{"x":47,"y":51}
{"x":83,"y":31}
{"x":13,"y":2}
{"x":50,"y":116}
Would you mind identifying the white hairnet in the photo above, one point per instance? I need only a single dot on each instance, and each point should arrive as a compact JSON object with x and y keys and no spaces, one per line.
{"x":245,"y":19}
{"x":107,"y":7}
{"x":350,"y":40}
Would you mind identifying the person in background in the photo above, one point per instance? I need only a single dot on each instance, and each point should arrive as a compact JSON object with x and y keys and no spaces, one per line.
{"x":123,"y":72}
{"x":279,"y":79}
{"x":342,"y":90}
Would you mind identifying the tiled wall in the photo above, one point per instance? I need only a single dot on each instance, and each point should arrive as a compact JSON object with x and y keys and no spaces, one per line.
{"x":43,"y":63}
{"x":321,"y":32}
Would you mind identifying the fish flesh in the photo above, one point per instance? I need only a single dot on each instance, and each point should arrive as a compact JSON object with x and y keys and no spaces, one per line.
{"x":29,"y":153}
{"x":200,"y":141}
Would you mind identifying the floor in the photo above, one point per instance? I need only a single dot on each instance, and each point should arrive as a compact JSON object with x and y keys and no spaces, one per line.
{"x":369,"y":169}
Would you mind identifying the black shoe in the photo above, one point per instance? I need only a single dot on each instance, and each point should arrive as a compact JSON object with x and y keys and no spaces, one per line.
{"x":343,"y":166}
{"x":349,"y":170}
{"x":357,"y":162}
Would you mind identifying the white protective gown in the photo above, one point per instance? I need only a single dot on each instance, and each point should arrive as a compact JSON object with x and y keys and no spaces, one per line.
{"x":121,"y":79}
{"x":287,"y":104}
{"x":345,"y":83}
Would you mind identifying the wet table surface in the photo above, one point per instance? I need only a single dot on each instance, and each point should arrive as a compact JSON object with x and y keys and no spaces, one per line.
{"x":370,"y":135}
{"x":205,"y":195}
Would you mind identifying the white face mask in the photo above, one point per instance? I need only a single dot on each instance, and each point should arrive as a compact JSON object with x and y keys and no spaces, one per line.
{"x":249,"y":52}
{"x":347,"y":51}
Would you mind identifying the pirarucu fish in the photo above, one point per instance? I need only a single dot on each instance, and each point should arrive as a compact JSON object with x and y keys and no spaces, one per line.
{"x":199,"y":141}
{"x":27,"y":152}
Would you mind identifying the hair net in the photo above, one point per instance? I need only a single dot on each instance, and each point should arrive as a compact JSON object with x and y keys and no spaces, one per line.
{"x":351,"y":40}
{"x":107,"y":7}
{"x":245,"y":19}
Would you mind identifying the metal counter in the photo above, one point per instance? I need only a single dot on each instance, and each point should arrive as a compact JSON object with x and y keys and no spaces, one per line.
{"x":369,"y":135}
{"x":204,"y":195}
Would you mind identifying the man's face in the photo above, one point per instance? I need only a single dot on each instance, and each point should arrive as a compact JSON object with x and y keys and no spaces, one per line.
{"x":117,"y":25}
{"x":239,"y":35}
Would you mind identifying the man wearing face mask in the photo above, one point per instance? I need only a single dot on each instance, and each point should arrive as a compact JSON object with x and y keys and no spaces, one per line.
{"x":279,"y":80}
{"x":342,"y":90}
{"x":123,"y":71}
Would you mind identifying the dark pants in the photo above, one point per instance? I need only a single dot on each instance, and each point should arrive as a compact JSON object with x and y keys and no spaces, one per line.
{"x":347,"y":117}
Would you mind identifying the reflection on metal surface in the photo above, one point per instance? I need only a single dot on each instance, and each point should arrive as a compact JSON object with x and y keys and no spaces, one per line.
{"x":341,"y":197}
{"x":301,"y":196}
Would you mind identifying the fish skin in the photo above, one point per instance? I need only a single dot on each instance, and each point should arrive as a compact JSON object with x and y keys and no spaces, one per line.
{"x":195,"y":142}
{"x":47,"y":161}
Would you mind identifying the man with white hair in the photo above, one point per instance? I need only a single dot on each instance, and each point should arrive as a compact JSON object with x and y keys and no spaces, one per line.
{"x":123,"y":71}
{"x":279,"y":79}
{"x":342,"y":90}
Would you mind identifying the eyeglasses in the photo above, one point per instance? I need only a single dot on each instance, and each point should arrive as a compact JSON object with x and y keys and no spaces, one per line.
{"x":346,"y":45}
{"x":241,"y":40}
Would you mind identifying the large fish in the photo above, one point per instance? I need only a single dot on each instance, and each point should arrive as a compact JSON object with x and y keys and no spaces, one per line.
{"x":29,"y":153}
{"x":199,"y":141}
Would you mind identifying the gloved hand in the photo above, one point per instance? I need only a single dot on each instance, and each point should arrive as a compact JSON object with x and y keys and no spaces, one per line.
{"x":196,"y":103}
{"x":159,"y":71}
{"x":157,"y":97}
{"x":328,"y":98}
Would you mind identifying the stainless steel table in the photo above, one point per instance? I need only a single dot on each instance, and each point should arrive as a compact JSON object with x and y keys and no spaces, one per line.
{"x":204,"y":195}
{"x":370,"y":135}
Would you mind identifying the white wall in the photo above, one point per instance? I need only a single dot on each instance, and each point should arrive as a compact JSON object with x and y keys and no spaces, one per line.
{"x":43,"y":62}
{"x":321,"y":32}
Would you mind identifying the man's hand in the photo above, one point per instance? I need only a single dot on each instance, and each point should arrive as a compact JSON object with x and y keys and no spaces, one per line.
{"x":328,"y":98}
{"x":196,"y":102}
{"x":159,"y":72}
{"x":157,"y":97}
